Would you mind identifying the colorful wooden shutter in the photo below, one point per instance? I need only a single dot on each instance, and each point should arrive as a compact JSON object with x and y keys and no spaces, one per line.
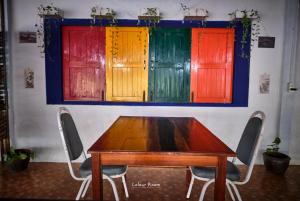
{"x":83,"y":63}
{"x":169,"y":65}
{"x":212,"y":65}
{"x":127,"y":63}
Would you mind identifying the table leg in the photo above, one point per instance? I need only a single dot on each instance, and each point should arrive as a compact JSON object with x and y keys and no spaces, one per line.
{"x":220,"y":185}
{"x":188,"y":177}
{"x":97,"y":177}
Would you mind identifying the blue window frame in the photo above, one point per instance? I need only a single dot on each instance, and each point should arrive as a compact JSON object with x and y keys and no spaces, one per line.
{"x":53,"y":61}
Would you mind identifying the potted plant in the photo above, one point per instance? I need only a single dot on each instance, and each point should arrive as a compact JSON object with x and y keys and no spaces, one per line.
{"x":18,"y":159}
{"x":103,"y":14}
{"x":194,"y":14}
{"x":251,"y":22}
{"x":150,"y":16}
{"x":275,"y":161}
{"x":45,"y":12}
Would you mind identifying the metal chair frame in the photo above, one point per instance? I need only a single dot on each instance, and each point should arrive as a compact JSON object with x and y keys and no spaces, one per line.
{"x":87,"y":180}
{"x":232,"y":184}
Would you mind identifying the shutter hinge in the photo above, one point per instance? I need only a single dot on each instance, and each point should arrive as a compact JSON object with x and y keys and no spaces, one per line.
{"x":102,"y":95}
{"x":192,"y":97}
{"x":144,"y":96}
{"x":151,"y":95}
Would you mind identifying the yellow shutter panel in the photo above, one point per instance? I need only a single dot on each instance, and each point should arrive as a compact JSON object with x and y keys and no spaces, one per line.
{"x":126,"y":64}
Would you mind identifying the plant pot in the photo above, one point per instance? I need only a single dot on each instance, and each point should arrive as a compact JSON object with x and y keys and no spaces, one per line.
{"x":239,"y":14}
{"x":19,"y":164}
{"x":276,"y":162}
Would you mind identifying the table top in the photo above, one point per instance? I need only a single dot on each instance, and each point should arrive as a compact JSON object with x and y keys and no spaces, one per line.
{"x":170,"y":135}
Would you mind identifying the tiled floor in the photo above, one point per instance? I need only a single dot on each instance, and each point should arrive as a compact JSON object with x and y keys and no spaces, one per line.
{"x":53,"y":181}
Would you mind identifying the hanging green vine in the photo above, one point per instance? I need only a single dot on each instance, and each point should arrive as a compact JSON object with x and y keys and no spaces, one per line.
{"x":251,"y":22}
{"x":151,"y":17}
{"x":102,"y":14}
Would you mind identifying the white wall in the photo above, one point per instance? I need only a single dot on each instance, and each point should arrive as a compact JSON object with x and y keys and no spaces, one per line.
{"x":295,"y":126}
{"x":294,"y":147}
{"x":35,"y":122}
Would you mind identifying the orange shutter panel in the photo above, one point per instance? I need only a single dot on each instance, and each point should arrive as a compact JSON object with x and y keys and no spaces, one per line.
{"x":127,"y":64}
{"x":212,"y":65}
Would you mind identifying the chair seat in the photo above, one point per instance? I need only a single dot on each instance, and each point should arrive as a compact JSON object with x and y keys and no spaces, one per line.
{"x":109,"y":170}
{"x":233,"y":172}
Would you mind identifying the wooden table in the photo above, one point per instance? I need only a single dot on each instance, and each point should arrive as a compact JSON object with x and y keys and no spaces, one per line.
{"x":159,"y":141}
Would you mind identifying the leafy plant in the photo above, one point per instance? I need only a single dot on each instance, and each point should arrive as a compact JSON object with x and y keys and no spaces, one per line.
{"x":104,"y":14}
{"x":184,"y":8}
{"x":251,"y":21}
{"x":194,"y":14}
{"x":274,"y":147}
{"x":151,"y":16}
{"x":14,"y":154}
{"x":45,"y":12}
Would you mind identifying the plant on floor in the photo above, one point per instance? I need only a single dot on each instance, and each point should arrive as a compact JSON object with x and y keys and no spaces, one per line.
{"x":275,"y":161}
{"x":274,"y":147}
{"x":18,"y":159}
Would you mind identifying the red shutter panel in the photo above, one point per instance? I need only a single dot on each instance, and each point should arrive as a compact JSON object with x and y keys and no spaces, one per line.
{"x":83,"y":63}
{"x":212,"y":65}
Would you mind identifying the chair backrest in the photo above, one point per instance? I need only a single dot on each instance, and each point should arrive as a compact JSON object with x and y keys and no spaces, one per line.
{"x":249,"y":143}
{"x":70,"y":138}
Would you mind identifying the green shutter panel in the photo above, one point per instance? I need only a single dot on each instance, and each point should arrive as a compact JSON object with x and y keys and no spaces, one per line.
{"x":169,"y":65}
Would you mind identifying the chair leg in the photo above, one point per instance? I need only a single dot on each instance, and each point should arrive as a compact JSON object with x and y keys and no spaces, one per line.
{"x":125,"y":186}
{"x":204,"y":189}
{"x":230,"y":191}
{"x":113,"y":185}
{"x":81,"y":188}
{"x":190,"y":187}
{"x":236,"y":191}
{"x":86,"y":187}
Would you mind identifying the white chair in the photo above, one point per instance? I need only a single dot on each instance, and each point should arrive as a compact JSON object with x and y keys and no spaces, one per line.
{"x":74,"y":149}
{"x":246,"y":153}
